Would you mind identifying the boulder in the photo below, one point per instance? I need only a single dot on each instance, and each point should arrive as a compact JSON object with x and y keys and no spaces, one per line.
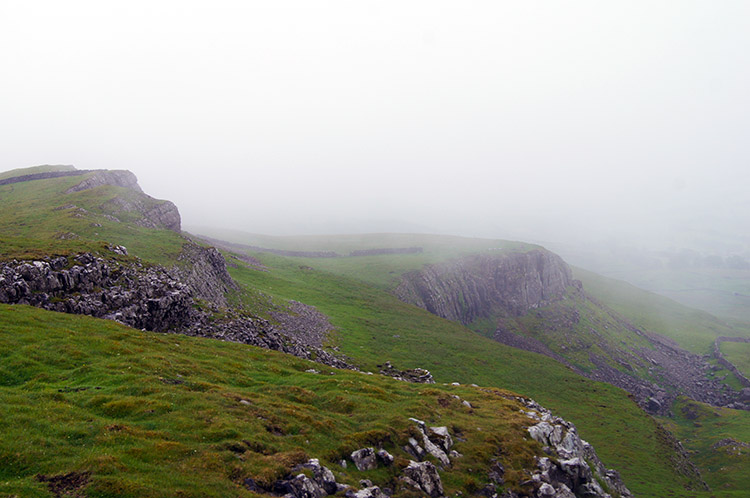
{"x":441,"y":436}
{"x":365,"y":459}
{"x":322,"y":476}
{"x":369,"y":492}
{"x":424,"y":477}
{"x":385,"y":457}
{"x":299,"y":486}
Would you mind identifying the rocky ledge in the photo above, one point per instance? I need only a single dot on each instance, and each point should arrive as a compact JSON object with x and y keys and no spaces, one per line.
{"x":184,"y":299}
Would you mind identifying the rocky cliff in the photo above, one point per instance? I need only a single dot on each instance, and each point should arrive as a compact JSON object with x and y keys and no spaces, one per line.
{"x":147,"y":211}
{"x":119,"y":178}
{"x":534,"y":304}
{"x":154,"y":298}
{"x":479,"y":285}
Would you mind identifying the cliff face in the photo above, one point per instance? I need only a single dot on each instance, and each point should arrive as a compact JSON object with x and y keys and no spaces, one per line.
{"x":151,"y":212}
{"x":119,"y":178}
{"x":476,"y":286}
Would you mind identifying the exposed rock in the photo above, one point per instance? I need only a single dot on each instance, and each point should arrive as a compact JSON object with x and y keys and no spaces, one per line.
{"x":322,"y":476}
{"x":146,"y":297}
{"x":369,"y":492}
{"x":365,"y":459}
{"x":572,"y":468}
{"x":424,"y":477}
{"x":304,"y":323}
{"x":441,"y":436}
{"x":119,"y":178}
{"x":474,"y":286}
{"x":416,"y":375}
{"x":299,"y":486}
{"x":205,"y":271}
{"x":385,"y":457}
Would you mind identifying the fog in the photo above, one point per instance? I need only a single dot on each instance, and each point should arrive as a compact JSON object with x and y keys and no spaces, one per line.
{"x":568,"y":123}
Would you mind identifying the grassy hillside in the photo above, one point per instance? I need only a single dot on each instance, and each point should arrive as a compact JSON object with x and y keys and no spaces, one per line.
{"x":139,"y":414}
{"x":739,"y":354}
{"x":373,"y":327}
{"x":693,"y":329}
{"x":719,"y":442}
{"x":167,"y":413}
{"x":38,"y":218}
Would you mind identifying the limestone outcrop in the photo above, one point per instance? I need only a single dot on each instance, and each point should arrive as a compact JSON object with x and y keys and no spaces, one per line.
{"x":119,"y":178}
{"x":475,"y":286}
{"x":149,"y":297}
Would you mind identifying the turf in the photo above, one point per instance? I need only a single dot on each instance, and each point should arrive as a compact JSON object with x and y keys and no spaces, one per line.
{"x":726,"y":468}
{"x":739,"y":354}
{"x":154,"y":415}
{"x":373,"y":327}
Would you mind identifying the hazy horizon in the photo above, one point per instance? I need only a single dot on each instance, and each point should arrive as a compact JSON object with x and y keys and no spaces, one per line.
{"x":579,"y":123}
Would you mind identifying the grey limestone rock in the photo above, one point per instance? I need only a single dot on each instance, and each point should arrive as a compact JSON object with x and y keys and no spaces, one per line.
{"x":365,"y":459}
{"x":572,"y":468}
{"x":322,"y":476}
{"x":424,"y":477}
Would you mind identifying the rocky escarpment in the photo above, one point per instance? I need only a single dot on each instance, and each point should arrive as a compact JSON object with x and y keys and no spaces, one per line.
{"x":570,"y":466}
{"x":480,"y":285}
{"x":118,"y":178}
{"x":141,"y":208}
{"x":148,"y":297}
{"x":508,"y":286}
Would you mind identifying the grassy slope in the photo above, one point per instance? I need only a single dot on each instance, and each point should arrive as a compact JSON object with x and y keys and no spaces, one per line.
{"x":368,"y":318}
{"x":151,"y":415}
{"x":739,"y":354}
{"x":375,"y":327}
{"x":700,"y":427}
{"x":724,"y":292}
{"x":35,"y":220}
{"x":693,"y":329}
{"x":46,"y":168}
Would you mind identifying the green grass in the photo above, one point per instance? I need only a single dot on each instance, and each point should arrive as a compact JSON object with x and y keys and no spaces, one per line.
{"x":46,"y":168}
{"x":151,"y":415}
{"x":141,"y":434}
{"x":692,"y":329}
{"x":700,"y":427}
{"x":36,"y":220}
{"x":739,"y":354}
{"x":721,"y":291}
{"x":373,"y":326}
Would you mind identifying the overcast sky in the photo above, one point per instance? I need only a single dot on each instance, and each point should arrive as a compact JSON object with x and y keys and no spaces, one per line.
{"x":536,"y":120}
